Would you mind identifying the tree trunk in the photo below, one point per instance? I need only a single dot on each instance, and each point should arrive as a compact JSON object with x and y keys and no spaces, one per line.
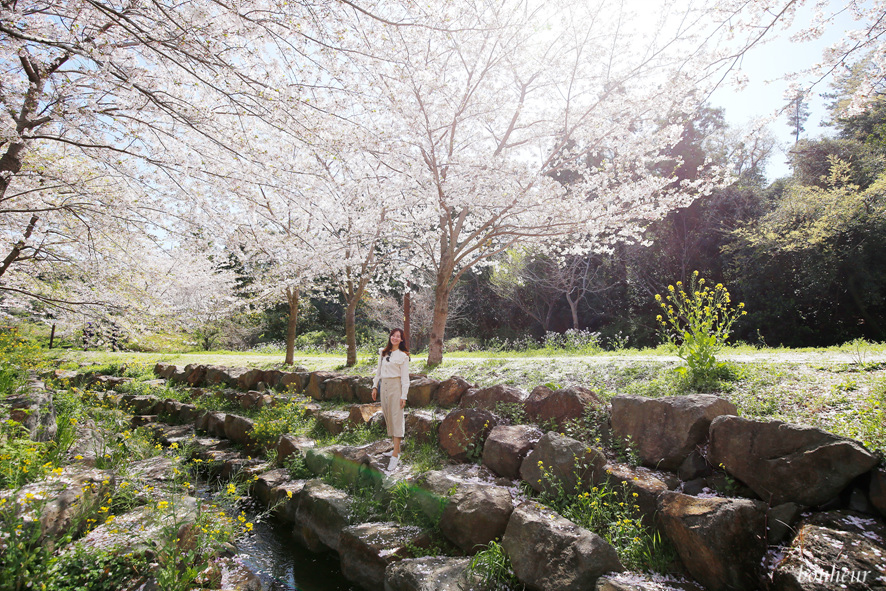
{"x":292,"y":298}
{"x":407,"y":320}
{"x":573,"y":307}
{"x":351,"y":331}
{"x":438,"y":325}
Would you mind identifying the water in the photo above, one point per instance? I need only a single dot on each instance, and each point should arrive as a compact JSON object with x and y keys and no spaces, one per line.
{"x":283,"y":565}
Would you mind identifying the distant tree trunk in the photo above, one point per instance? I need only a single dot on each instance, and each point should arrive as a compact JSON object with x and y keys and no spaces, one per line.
{"x":407,"y":305}
{"x":573,"y":307}
{"x":351,"y":330}
{"x":292,"y":298}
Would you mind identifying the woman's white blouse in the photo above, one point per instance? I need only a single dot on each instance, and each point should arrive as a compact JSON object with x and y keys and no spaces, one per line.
{"x":397,"y":366}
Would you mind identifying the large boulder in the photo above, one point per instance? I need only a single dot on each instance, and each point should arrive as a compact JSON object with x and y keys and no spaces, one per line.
{"x":559,"y":406}
{"x":164,"y":370}
{"x":272,"y":378}
{"x":429,"y":573}
{"x":422,"y":425}
{"x":359,"y":415}
{"x":316,"y":386}
{"x":463,"y":432}
{"x":195,"y":374}
{"x":61,"y":505}
{"x":877,"y":492}
{"x":721,"y":541}
{"x":32,"y":406}
{"x":450,"y":391}
{"x":215,"y":424}
{"x":488,"y":398}
{"x":646,"y":582}
{"x":834,"y":550}
{"x":239,"y":430}
{"x":143,"y":405}
{"x":289,"y":444}
{"x":339,"y":388}
{"x":363,"y":389}
{"x":250,"y":379}
{"x":641,"y":486}
{"x":285,"y":498}
{"x":787,"y":463}
{"x":263,"y":486}
{"x":294,"y":381}
{"x":507,"y":446}
{"x":367,"y":549}
{"x":323,"y":512}
{"x":550,"y":552}
{"x":334,"y":421}
{"x":665,"y":430}
{"x":421,"y":391}
{"x":475,"y":515}
{"x":557,"y":458}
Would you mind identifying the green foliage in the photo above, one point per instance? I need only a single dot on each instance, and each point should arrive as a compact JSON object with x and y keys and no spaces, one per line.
{"x":514,"y":412}
{"x":273,"y":421}
{"x":80,"y":568}
{"x":612,"y":513}
{"x":491,"y":569}
{"x":698,"y":323}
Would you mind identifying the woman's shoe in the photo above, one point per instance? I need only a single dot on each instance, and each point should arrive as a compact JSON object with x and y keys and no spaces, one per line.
{"x":388,"y":454}
{"x":392,"y":465}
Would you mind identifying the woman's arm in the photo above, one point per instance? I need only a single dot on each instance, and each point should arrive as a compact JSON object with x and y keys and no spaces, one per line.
{"x":377,"y":378}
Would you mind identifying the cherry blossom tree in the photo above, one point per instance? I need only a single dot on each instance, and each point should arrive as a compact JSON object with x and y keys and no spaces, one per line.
{"x":487,"y":105}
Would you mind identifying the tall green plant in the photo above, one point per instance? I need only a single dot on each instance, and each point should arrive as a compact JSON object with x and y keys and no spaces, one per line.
{"x":698,"y":322}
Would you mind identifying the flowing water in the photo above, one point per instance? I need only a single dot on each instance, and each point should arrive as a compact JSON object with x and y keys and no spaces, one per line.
{"x":283,"y":565}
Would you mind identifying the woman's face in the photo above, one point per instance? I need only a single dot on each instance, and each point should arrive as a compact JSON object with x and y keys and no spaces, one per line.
{"x":396,"y":337}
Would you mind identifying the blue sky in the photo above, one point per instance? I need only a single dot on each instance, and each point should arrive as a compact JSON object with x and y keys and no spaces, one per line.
{"x":765,"y":66}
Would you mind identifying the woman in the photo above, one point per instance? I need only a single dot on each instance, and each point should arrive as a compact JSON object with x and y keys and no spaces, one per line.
{"x":392,"y":380}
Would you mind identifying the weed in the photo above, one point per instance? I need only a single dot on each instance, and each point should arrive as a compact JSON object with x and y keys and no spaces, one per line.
{"x":491,"y":569}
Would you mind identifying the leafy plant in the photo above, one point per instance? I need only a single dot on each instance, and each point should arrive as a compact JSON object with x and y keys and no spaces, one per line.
{"x":698,"y":323}
{"x":491,"y":569}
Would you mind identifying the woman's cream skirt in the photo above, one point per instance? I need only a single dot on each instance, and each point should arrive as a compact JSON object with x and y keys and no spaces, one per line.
{"x":391,"y":389}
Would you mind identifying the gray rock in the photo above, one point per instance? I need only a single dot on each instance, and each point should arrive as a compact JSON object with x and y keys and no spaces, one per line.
{"x":32,"y":406}
{"x":239,"y":430}
{"x":334,"y":421}
{"x":421,"y":391}
{"x":560,"y":458}
{"x":288,"y":445}
{"x":430,"y":573}
{"x":422,"y":425}
{"x":316,"y":387}
{"x":877,"y":492}
{"x":463,"y":432}
{"x":637,"y":582}
{"x":367,"y":549}
{"x":834,"y":550}
{"x":266,"y":482}
{"x":285,"y":498}
{"x":475,"y":515}
{"x":550,"y":552}
{"x":721,"y":541}
{"x":559,"y":406}
{"x":450,"y":391}
{"x":507,"y":446}
{"x":323,"y":512}
{"x":787,"y":463}
{"x":780,"y":521}
{"x":488,"y":398}
{"x":339,"y":388}
{"x":641,"y":486}
{"x":666,"y":430}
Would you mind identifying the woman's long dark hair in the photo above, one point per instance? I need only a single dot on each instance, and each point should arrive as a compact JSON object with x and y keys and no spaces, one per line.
{"x":389,"y":347}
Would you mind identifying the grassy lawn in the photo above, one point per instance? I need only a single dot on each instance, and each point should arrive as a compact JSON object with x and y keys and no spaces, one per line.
{"x":839,"y":389}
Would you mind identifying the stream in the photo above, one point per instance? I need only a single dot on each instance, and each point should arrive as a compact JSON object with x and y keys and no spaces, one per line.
{"x":271,"y":553}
